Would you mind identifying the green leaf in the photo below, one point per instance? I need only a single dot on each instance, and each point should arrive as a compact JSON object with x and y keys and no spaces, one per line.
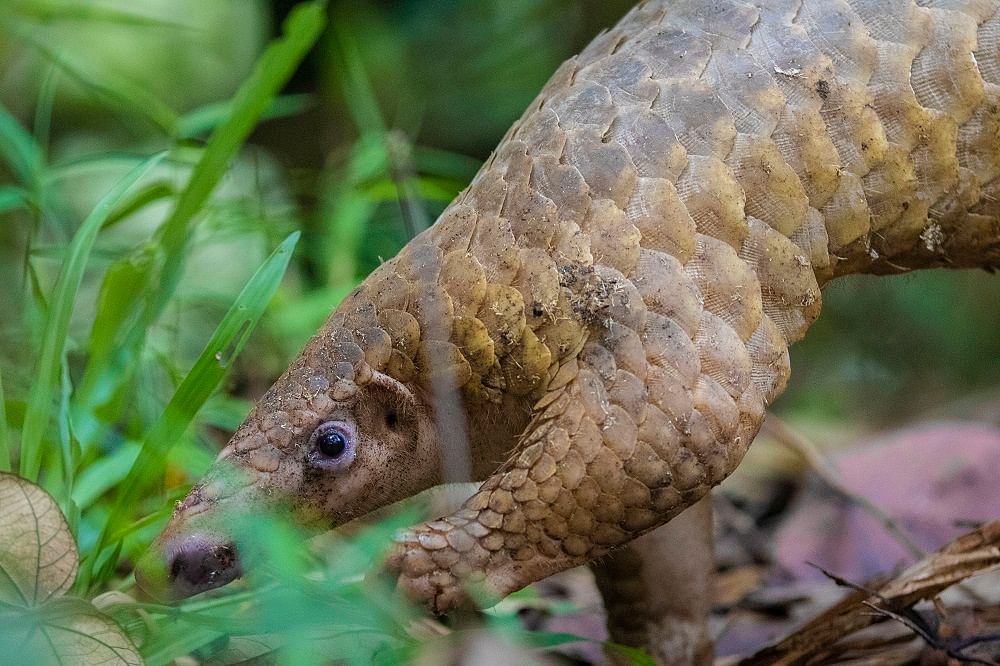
{"x":546,"y":639}
{"x":158,"y":517}
{"x":43,"y":109}
{"x":199,"y":384}
{"x":349,"y":208}
{"x":66,"y":631}
{"x":104,"y":474}
{"x":431,"y":189}
{"x":99,"y":164}
{"x":245,"y":649}
{"x":53,"y":340}
{"x":38,"y":558}
{"x":69,"y":446}
{"x":123,"y":286}
{"x":164,"y":646}
{"x":358,"y":92}
{"x":446,"y":164}
{"x":149,"y":194}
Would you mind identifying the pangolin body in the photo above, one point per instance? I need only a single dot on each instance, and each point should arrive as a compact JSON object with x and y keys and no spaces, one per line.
{"x":609,"y":304}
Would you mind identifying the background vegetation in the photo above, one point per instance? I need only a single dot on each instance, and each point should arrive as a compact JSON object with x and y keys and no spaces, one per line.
{"x":188,"y":188}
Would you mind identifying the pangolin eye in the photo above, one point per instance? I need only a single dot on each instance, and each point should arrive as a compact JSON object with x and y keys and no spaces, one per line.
{"x":332,"y":445}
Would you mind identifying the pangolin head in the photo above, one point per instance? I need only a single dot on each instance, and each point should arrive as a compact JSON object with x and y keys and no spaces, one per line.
{"x":332,"y":440}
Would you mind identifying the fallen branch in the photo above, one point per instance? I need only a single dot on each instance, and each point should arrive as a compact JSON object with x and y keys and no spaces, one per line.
{"x":970,"y":554}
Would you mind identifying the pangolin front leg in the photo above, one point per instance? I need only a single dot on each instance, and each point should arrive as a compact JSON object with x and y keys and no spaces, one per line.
{"x":560,"y":499}
{"x":635,"y":427}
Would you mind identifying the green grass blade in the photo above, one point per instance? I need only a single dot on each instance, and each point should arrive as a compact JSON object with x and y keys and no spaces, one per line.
{"x":5,"y":461}
{"x":68,"y":446}
{"x":19,"y":149}
{"x":57,"y":325}
{"x":199,"y":384}
{"x":163,"y":648}
{"x":111,"y":361}
{"x":61,"y":171}
{"x":207,"y":118}
{"x":160,"y":516}
{"x":634,"y":655}
{"x":349,"y":209}
{"x":155,"y":191}
{"x":423,"y":187}
{"x":105,"y":473}
{"x":445,"y":163}
{"x":43,"y":109}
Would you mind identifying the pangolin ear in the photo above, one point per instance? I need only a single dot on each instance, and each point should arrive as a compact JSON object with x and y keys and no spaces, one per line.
{"x":390,"y":404}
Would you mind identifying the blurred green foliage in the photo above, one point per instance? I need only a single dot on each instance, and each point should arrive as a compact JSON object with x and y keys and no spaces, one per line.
{"x":125,"y":276}
{"x":891,"y":350}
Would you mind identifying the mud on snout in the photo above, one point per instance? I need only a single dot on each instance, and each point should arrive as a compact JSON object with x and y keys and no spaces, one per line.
{"x":207,"y":538}
{"x":187,"y":565}
{"x":197,"y":551}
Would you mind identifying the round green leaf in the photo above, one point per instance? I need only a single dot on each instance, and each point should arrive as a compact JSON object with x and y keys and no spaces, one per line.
{"x":66,"y":631}
{"x":38,"y":557}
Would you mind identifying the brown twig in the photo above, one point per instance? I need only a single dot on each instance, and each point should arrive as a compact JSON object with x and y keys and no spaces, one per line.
{"x":916,"y":623}
{"x":971,"y":554}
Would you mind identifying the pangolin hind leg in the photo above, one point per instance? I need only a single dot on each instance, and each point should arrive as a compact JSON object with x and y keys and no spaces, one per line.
{"x":657,"y":590}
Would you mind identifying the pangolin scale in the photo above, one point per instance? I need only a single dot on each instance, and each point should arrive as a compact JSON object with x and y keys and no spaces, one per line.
{"x":609,"y":305}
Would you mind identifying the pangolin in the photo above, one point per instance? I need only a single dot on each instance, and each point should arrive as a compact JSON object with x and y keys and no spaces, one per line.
{"x":595,"y":326}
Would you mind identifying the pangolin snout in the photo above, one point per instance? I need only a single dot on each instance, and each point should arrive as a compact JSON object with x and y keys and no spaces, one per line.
{"x":189,"y":565}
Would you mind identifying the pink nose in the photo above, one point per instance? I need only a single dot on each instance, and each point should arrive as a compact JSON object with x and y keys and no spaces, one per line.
{"x":195,"y":563}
